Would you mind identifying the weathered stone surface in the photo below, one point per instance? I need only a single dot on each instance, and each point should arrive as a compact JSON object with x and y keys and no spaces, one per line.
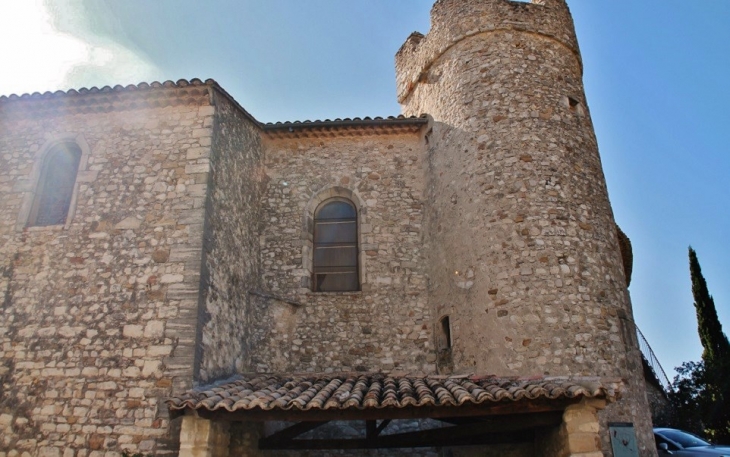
{"x":513,"y":167}
{"x":229,"y":318}
{"x":386,"y":325}
{"x":129,"y":223}
{"x":187,"y":254}
{"x":83,"y":323}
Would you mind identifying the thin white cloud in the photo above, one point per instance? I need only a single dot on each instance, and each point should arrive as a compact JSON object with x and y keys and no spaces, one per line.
{"x":60,"y":45}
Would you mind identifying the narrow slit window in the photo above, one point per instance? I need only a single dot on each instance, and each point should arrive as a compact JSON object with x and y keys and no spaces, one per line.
{"x":445,"y":334}
{"x":56,"y":186}
{"x":335,"y":258}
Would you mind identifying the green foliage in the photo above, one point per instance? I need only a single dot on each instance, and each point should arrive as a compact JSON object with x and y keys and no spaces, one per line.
{"x":688,"y":394}
{"x":715,"y":343}
{"x":701,"y":396}
{"x":701,"y":401}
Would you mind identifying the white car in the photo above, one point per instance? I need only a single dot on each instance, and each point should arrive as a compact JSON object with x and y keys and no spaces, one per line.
{"x":670,"y":441}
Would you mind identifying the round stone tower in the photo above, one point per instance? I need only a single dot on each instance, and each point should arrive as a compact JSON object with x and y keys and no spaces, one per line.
{"x":525,"y":271}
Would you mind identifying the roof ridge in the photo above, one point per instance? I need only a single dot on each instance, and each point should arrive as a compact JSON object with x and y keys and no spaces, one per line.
{"x":364,"y":119}
{"x":142,"y":86}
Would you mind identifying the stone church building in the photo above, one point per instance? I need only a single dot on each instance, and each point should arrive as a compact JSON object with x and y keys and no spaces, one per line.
{"x":179,"y":278}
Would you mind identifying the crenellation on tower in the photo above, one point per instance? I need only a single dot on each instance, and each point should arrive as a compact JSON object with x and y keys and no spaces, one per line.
{"x":455,"y":20}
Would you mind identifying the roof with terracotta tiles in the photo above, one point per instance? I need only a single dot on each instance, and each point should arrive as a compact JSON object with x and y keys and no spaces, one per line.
{"x":108,"y":89}
{"x":195,"y":91}
{"x":349,"y":126}
{"x":378,"y":391}
{"x":107,"y":99}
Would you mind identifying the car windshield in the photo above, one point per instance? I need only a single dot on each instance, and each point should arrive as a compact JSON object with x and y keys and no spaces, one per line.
{"x":684,"y":439}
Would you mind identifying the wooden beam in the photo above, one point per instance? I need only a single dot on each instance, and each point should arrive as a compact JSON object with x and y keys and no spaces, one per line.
{"x":487,"y":427}
{"x":370,"y":429}
{"x":381,"y":427}
{"x":460,"y":420}
{"x":512,"y":429}
{"x":410,"y":412}
{"x":394,"y":442}
{"x":292,"y":432}
{"x":510,"y":421}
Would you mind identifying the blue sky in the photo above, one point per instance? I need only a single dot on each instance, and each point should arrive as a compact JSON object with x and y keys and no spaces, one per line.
{"x":656,"y":75}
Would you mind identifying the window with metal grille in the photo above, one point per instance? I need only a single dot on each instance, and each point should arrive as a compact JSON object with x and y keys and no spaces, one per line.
{"x":56,"y":186}
{"x":335,"y":265}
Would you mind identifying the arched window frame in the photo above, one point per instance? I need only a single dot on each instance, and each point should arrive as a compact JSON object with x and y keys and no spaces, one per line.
{"x":331,"y":193}
{"x":32,"y":187}
{"x":344,"y":252}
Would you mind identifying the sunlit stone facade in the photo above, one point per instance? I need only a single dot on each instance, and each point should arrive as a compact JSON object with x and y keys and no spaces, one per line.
{"x":485,"y":244}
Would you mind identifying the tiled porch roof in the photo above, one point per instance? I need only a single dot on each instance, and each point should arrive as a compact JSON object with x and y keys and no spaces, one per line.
{"x":375,"y":391}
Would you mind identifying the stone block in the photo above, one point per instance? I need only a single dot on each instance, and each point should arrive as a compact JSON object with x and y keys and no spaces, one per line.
{"x":197,"y":168}
{"x":133,"y":331}
{"x":130,"y":222}
{"x":87,"y":176}
{"x":199,"y":133}
{"x":151,"y":368}
{"x":583,"y":442}
{"x":154,"y":329}
{"x":157,"y":351}
{"x":206,"y":111}
{"x":6,"y":419}
{"x":197,"y":190}
{"x":171,"y":278}
{"x":197,"y":153}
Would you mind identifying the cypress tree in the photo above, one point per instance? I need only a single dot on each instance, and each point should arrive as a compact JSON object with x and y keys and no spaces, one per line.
{"x":715,"y":343}
{"x":705,"y":387}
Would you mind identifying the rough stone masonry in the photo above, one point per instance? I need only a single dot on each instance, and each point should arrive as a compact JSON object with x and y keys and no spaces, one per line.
{"x":485,"y":244}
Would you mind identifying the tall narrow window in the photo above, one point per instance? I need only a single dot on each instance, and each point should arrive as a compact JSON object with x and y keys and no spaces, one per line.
{"x":56,"y":186}
{"x":335,"y":247}
{"x":444,"y":335}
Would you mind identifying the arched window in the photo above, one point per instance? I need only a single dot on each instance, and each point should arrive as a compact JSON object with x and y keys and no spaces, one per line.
{"x":335,"y":253}
{"x":56,"y":185}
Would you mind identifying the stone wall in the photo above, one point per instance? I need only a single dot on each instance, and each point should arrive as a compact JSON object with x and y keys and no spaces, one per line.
{"x":514,"y":168}
{"x":661,"y":408}
{"x":230,"y":315}
{"x":187,"y":252}
{"x":98,"y":317}
{"x":386,"y":325}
